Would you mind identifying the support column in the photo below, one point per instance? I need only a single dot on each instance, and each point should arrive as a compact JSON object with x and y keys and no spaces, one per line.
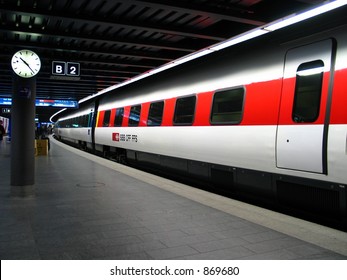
{"x":23,"y":136}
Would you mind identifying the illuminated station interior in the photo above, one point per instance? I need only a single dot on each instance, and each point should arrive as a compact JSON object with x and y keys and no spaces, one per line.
{"x":173,"y":130}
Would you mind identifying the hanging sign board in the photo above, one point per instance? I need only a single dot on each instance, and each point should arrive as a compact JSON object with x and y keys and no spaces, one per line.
{"x":58,"y":67}
{"x":72,"y":69}
{"x":62,"y":68}
{"x":46,"y":103}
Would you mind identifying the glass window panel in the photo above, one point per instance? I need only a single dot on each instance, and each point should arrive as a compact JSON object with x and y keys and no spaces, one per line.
{"x":227,"y":106}
{"x":134,"y":117}
{"x":155,"y":114}
{"x":308,"y":89}
{"x":118,"y":119}
{"x":184,"y":111}
{"x":107,"y":116}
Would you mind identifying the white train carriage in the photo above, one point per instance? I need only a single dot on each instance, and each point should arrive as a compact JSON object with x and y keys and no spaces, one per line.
{"x":77,"y":128}
{"x":266,"y":117}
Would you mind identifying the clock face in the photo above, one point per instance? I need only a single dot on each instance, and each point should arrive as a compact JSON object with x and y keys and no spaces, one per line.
{"x":26,"y":63}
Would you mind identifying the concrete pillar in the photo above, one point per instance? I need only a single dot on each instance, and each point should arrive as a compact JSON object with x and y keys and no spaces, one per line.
{"x":23,"y":136}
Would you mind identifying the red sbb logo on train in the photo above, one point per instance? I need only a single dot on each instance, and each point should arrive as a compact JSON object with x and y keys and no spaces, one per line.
{"x":115,"y":136}
{"x":121,"y":137}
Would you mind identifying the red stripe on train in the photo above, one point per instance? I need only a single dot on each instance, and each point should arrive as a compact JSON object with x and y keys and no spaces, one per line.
{"x":262,"y":104}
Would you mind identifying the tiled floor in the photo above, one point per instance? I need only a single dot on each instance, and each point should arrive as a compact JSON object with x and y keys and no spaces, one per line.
{"x":88,"y":208}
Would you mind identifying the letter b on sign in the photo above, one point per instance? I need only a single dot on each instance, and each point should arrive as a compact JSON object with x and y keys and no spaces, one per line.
{"x":58,"y":68}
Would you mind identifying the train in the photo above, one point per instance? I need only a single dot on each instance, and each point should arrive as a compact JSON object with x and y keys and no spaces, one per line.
{"x":266,"y":117}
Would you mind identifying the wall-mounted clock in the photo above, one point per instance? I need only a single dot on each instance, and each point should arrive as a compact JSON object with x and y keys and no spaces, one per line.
{"x":26,"y":63}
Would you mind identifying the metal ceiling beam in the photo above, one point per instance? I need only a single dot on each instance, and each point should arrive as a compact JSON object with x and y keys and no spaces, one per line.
{"x":96,"y":51}
{"x":191,"y":8}
{"x":24,"y":30}
{"x":93,"y":73}
{"x":30,"y":12}
{"x":87,"y":72}
{"x":126,"y":63}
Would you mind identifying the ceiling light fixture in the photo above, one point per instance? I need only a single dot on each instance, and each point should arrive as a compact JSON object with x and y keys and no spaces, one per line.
{"x":55,"y":114}
{"x":295,"y":18}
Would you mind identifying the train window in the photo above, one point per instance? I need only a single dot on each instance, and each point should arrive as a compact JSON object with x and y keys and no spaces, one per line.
{"x":155,"y":114}
{"x":85,"y":120}
{"x":308,"y":88}
{"x":134,"y":117}
{"x":80,"y":121}
{"x":90,"y":119}
{"x":184,"y":111}
{"x":227,"y":106}
{"x":107,"y":116}
{"x":74,"y":122}
{"x":118,"y":119}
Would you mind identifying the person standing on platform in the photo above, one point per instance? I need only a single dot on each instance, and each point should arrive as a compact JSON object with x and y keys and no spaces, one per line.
{"x":2,"y":130}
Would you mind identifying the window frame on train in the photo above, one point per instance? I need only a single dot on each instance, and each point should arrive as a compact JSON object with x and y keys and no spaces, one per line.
{"x":308,"y":91}
{"x":184,"y":117}
{"x":155,"y":113}
{"x":107,"y":118}
{"x":134,"y":113}
{"x":230,"y":117}
{"x":118,"y":118}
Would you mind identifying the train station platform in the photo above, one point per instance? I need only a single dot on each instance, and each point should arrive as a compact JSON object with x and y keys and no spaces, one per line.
{"x":87,"y":207}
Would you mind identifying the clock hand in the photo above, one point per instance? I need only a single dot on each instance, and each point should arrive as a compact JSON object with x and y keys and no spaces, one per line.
{"x":26,"y":63}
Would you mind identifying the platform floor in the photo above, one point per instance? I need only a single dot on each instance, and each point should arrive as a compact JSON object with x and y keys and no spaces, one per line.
{"x":87,"y":207}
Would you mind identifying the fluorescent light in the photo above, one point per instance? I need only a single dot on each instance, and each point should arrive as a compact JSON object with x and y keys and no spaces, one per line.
{"x":233,"y":41}
{"x":192,"y":56}
{"x":239,"y":39}
{"x":289,"y":20}
{"x":51,"y":118}
{"x":164,"y":67}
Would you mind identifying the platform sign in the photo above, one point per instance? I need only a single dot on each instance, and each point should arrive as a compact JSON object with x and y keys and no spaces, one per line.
{"x":56,"y":103}
{"x":46,"y":103}
{"x":58,"y":67}
{"x":5,"y":101}
{"x":62,"y":68}
{"x":73,"y":69}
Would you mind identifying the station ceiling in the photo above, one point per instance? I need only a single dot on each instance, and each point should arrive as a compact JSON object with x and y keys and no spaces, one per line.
{"x":114,"y":40}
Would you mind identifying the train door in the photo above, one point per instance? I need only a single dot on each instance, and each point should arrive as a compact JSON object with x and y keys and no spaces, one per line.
{"x":302,"y":131}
